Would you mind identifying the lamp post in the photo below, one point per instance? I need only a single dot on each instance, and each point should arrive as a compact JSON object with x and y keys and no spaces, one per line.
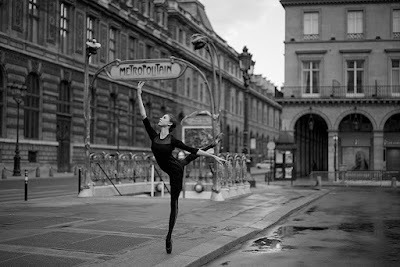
{"x":335,"y":140}
{"x":18,"y":93}
{"x":91,"y":49}
{"x":200,"y":41}
{"x":247,"y":67}
{"x":216,"y":194}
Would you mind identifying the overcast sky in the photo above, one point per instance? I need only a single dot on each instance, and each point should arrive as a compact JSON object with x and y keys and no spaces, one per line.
{"x":258,"y":24}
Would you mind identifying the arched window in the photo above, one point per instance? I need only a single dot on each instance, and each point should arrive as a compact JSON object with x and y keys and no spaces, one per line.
{"x":32,"y":107}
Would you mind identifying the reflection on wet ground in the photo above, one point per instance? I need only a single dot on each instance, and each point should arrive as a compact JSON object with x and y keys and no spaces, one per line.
{"x":352,"y":227}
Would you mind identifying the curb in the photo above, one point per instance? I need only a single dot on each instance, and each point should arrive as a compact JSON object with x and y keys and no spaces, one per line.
{"x":204,"y":253}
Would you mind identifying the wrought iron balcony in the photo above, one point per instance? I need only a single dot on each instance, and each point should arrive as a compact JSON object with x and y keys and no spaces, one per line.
{"x":324,"y":92}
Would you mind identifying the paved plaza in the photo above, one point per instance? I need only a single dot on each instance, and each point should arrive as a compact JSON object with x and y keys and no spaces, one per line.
{"x":130,"y":231}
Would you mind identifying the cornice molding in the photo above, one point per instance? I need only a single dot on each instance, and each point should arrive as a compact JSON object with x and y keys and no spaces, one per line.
{"x":311,"y":52}
{"x":392,"y":50}
{"x":355,"y":51}
{"x":332,"y":2}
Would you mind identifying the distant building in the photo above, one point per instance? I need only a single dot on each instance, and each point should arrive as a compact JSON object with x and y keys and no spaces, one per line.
{"x":342,"y":79}
{"x":42,"y":47}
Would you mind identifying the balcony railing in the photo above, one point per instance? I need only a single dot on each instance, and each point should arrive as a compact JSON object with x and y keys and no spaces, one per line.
{"x":374,"y":91}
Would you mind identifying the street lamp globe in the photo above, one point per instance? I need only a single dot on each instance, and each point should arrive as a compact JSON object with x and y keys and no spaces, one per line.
{"x":92,"y":46}
{"x":199,"y":41}
{"x":245,"y":61}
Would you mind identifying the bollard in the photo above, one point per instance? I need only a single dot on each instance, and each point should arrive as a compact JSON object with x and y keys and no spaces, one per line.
{"x":3,"y":173}
{"x":319,"y":182}
{"x":51,"y":172}
{"x":26,"y":185}
{"x":37,"y":172}
{"x":79,"y":180}
{"x":394,"y":182}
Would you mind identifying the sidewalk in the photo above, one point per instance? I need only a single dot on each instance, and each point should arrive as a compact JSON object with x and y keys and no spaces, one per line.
{"x":130,"y":231}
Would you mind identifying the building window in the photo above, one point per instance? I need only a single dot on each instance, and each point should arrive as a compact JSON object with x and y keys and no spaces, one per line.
{"x":112,"y":119}
{"x":310,"y":77}
{"x":160,"y":17}
{"x":33,"y":21}
{"x":396,"y":76}
{"x":32,"y":107}
{"x":396,"y":23}
{"x":112,"y":52}
{"x":149,"y":51}
{"x":241,"y":104}
{"x":90,"y":31}
{"x":201,"y":95}
{"x":132,"y":48}
{"x":180,"y":36}
{"x":64,"y":98}
{"x":131,"y":121}
{"x":188,"y":87}
{"x":64,"y":18}
{"x":355,"y":76}
{"x":355,"y":25}
{"x":181,"y":86}
{"x":89,"y":28}
{"x":311,"y":25}
{"x":140,"y":54}
{"x":2,"y":100}
{"x":232,"y":101}
{"x":32,"y":156}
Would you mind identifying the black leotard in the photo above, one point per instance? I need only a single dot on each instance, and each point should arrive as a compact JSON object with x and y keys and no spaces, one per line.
{"x":162,"y":150}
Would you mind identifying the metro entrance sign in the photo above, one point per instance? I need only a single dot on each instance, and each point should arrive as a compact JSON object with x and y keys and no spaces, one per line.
{"x":147,"y":69}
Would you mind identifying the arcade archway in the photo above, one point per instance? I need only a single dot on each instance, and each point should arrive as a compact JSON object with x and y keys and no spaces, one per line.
{"x":392,"y":143}
{"x":355,"y":145}
{"x":311,"y":138}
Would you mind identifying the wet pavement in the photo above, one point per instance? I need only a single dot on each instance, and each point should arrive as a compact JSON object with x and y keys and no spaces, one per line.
{"x":130,"y":231}
{"x":347,"y":227}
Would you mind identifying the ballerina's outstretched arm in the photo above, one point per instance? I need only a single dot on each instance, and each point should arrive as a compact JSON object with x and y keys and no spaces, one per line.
{"x":140,"y":100}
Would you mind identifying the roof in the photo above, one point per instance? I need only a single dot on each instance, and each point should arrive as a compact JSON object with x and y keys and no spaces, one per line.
{"x":332,"y":2}
{"x":196,"y":9}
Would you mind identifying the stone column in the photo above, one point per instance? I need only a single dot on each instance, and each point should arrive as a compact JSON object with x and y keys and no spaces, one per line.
{"x":331,"y":151}
{"x":377,"y":145}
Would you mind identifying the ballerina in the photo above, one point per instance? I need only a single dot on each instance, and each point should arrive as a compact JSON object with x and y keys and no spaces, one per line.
{"x":162,"y":145}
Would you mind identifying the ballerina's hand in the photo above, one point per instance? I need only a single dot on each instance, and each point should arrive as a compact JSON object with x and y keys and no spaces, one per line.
{"x":140,"y":85}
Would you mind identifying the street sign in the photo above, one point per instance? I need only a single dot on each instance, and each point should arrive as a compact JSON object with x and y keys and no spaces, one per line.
{"x":148,"y":69}
{"x":252,"y":143}
{"x":271,"y":145}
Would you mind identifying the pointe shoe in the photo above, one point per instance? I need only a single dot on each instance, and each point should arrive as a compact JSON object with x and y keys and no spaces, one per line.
{"x":168,"y":246}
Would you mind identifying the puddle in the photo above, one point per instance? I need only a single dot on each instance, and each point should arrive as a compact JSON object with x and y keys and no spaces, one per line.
{"x":267,"y":245}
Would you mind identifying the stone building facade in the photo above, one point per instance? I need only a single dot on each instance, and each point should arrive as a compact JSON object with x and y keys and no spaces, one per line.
{"x":342,"y":84}
{"x":42,"y":50}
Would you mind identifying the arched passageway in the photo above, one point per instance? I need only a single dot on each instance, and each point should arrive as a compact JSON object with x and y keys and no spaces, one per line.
{"x":355,"y":145}
{"x":391,"y":133}
{"x":311,"y":138}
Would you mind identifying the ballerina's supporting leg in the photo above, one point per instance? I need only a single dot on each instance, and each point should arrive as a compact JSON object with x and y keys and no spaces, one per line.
{"x":172,"y":220}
